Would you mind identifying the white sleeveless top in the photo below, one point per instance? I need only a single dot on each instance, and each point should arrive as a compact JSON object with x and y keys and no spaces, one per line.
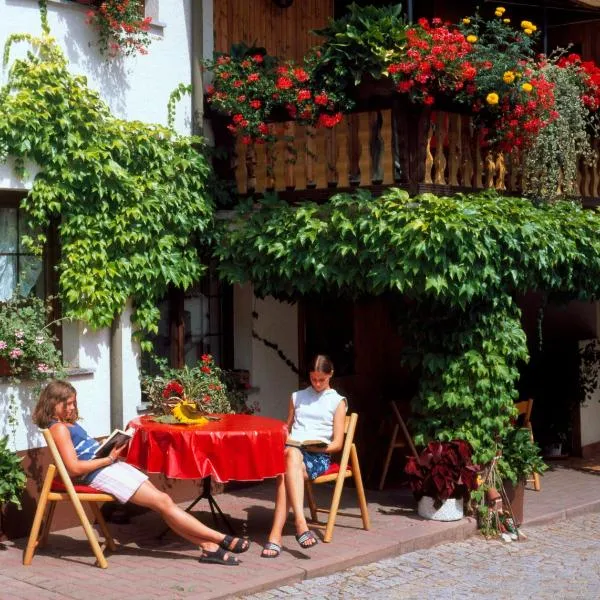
{"x":313,"y":414}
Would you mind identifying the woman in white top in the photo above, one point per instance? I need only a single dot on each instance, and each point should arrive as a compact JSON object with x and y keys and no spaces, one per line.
{"x":315,"y":413}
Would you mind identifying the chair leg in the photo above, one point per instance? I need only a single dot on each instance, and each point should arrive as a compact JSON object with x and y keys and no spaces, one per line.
{"x":47,"y":524}
{"x":89,"y":532}
{"x":537,"y":486}
{"x":32,"y":542}
{"x":312,"y":505}
{"x":335,"y":504}
{"x":388,"y":458}
{"x":360,"y":490}
{"x":110,"y":542}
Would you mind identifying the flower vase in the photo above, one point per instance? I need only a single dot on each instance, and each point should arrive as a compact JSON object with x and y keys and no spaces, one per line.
{"x":5,"y":369}
{"x":451,"y":509}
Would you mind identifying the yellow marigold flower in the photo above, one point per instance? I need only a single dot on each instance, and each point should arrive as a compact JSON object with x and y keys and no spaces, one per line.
{"x":508,"y":77}
{"x":527,"y":87}
{"x":466,"y":21}
{"x":534,"y":27}
{"x":500,"y":9}
{"x":526,"y":24}
{"x":527,"y":31}
{"x":507,"y":21}
{"x":492,"y":98}
{"x":471,"y":39}
{"x":498,"y":13}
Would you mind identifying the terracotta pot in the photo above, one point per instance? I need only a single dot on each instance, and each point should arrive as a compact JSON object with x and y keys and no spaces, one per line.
{"x":516,"y":496}
{"x":5,"y":369}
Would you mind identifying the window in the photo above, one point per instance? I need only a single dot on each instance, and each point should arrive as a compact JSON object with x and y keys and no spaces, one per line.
{"x":196,"y":322}
{"x":18,"y":267}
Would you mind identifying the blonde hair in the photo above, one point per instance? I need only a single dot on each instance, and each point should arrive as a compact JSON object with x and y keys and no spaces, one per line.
{"x":56,"y":392}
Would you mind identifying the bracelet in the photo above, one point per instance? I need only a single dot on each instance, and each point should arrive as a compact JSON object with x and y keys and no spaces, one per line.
{"x":112,"y":460}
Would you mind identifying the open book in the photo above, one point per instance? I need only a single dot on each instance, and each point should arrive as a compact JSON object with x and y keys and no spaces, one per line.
{"x":305,"y":443}
{"x":117,"y":438}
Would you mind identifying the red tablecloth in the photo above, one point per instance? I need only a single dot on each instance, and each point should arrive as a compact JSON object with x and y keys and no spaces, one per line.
{"x":235,"y":448}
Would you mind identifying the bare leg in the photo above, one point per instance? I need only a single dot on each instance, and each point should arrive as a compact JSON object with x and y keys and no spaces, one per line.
{"x":180,"y":521}
{"x":280,"y":516}
{"x":295,"y":474}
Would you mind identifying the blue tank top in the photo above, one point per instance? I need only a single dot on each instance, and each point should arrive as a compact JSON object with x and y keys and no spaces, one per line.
{"x":84,"y":445}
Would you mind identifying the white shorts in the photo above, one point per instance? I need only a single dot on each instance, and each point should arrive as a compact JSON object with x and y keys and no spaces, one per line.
{"x":119,"y":479}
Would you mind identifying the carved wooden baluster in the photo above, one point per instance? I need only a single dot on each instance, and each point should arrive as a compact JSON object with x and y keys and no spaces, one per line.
{"x":586,"y":180}
{"x":289,"y":129}
{"x":500,"y":167}
{"x":428,"y":155}
{"x":478,"y":175}
{"x":439,"y":162}
{"x":353,"y":150}
{"x":271,"y":158}
{"x":331,"y":156}
{"x":454,"y":147}
{"x":376,"y":146}
{"x":490,"y":169}
{"x":513,"y":173}
{"x":237,"y":168}
{"x":466,"y":164}
{"x":311,"y":156}
{"x":595,"y":170}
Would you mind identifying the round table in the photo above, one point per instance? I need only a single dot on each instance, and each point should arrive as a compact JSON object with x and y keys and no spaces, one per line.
{"x":234,"y":448}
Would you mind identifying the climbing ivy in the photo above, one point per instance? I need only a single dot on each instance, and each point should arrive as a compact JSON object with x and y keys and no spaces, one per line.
{"x":130,"y":198}
{"x":455,"y":265}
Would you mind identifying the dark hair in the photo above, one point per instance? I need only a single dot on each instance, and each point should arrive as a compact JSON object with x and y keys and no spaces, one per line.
{"x":322,"y":364}
{"x":56,"y":392}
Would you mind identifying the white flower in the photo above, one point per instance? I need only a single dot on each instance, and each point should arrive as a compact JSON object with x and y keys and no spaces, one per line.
{"x":3,"y":344}
{"x":39,"y":339}
{"x":19,"y":333}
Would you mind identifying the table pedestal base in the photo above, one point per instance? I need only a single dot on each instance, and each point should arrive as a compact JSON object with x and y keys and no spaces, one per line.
{"x":215,"y":509}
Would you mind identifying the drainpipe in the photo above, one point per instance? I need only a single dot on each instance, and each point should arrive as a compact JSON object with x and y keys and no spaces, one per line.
{"x":196,"y":66}
{"x":116,"y":373}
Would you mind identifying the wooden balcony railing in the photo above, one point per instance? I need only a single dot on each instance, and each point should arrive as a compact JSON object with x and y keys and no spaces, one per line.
{"x":401,"y":145}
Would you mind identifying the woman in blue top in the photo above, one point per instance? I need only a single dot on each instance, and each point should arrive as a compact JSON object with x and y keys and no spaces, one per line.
{"x":315,"y":413}
{"x":57,"y":410}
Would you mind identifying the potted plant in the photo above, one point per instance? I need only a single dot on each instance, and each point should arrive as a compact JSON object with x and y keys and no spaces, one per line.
{"x":441,"y":478}
{"x":520,"y":459}
{"x":27,"y":346}
{"x":188,"y":394}
{"x":12,"y":477}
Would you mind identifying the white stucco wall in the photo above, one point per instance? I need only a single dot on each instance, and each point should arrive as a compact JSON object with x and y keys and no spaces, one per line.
{"x":135,"y":88}
{"x":276,"y":322}
{"x":589,"y":412}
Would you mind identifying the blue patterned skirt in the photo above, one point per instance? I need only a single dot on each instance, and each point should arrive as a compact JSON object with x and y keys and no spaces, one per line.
{"x":316,"y":463}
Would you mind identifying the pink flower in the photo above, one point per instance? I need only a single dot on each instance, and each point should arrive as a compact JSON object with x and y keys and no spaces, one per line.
{"x":15,"y":353}
{"x":43,"y":368}
{"x":3,"y":344}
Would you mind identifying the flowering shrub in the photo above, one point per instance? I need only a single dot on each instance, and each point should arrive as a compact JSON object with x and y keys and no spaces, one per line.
{"x":249,"y":86}
{"x":27,"y":346}
{"x":122,"y":27}
{"x":435,"y":61}
{"x":204,"y":386}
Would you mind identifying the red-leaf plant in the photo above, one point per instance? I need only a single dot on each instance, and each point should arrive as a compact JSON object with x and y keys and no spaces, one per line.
{"x":443,"y":470}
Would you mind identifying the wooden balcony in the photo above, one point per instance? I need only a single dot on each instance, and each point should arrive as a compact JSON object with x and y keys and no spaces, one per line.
{"x":397,"y":144}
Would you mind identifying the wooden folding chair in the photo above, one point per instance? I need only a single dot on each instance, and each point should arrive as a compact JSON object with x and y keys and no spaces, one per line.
{"x":339,"y":472}
{"x":56,"y":489}
{"x":525,"y":407}
{"x":397,"y":441}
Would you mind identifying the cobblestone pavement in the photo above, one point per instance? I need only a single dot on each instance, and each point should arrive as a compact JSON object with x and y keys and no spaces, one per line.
{"x":558,"y":561}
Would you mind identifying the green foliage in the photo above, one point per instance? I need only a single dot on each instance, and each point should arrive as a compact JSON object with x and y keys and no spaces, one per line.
{"x":12,"y":476}
{"x":130,"y":197}
{"x":455,"y":264}
{"x":365,"y":40}
{"x":520,"y":455}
